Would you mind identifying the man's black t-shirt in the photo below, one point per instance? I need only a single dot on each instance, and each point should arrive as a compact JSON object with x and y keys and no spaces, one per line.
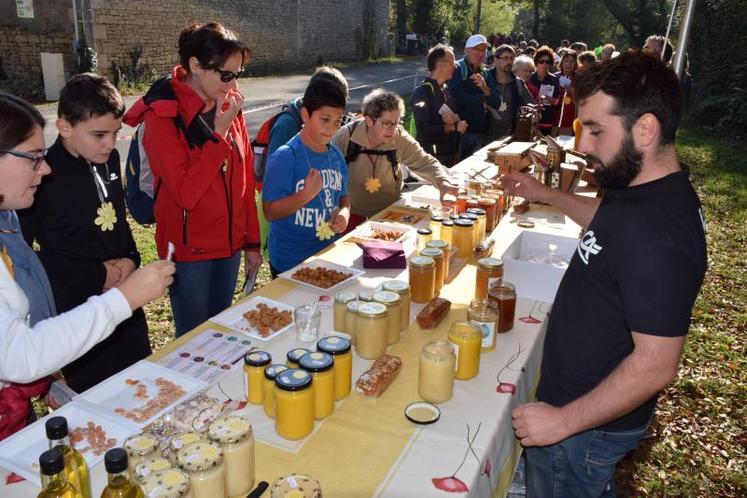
{"x":638,"y":267}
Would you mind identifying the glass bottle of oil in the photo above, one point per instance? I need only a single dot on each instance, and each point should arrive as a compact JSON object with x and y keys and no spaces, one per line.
{"x":53,"y":476}
{"x":119,"y":484}
{"x":75,"y":464}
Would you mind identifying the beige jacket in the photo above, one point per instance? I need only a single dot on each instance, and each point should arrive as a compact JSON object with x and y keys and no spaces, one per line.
{"x":409,"y":153}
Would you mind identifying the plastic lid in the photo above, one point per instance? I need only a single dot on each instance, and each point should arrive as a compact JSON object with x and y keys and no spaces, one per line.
{"x":257,"y":358}
{"x":316,"y":362}
{"x":147,"y":467}
{"x":345,"y":296}
{"x":229,"y":430}
{"x":115,"y":460}
{"x":294,"y":354}
{"x":51,"y":462}
{"x":293,"y":379}
{"x":352,"y":306}
{"x":422,"y":413}
{"x":468,"y":216}
{"x":424,"y":231}
{"x":437,"y":218}
{"x":477,"y":211}
{"x":463,"y":222}
{"x":432,"y":252}
{"x":387,"y":297}
{"x":454,"y":217}
{"x":199,"y":456}
{"x":181,"y":440}
{"x":296,"y":486}
{"x":371,"y":309}
{"x":398,"y":286}
{"x":422,"y":261}
{"x":273,"y":370}
{"x":167,"y":483}
{"x":140,"y":444}
{"x":365,"y":296}
{"x":490,"y":262}
{"x":56,"y":427}
{"x":437,"y":244}
{"x":447,"y":223}
{"x":333,"y":345}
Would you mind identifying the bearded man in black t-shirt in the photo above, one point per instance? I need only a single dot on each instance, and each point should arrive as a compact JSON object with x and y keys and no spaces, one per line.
{"x":622,"y":310}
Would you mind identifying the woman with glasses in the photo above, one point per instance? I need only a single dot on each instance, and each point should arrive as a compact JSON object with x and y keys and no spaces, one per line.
{"x":200,"y":155}
{"x":566,"y":110}
{"x":35,"y":343}
{"x":375,"y":147}
{"x":545,"y":87}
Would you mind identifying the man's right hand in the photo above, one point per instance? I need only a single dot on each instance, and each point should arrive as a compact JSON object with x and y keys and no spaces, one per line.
{"x":148,"y":283}
{"x":523,"y":185}
{"x":312,"y":185}
{"x":462,"y":126}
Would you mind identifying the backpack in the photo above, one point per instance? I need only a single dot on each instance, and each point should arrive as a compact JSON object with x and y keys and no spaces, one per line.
{"x":411,"y":127}
{"x":355,"y":149}
{"x":262,"y":140}
{"x":141,"y":186}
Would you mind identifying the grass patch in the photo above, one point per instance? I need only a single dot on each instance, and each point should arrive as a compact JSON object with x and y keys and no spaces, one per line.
{"x":700,"y":431}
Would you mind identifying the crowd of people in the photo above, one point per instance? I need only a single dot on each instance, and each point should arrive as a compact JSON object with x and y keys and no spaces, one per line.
{"x":75,"y":303}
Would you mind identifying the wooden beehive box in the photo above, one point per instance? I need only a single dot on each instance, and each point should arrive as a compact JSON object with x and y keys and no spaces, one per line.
{"x":513,"y":157}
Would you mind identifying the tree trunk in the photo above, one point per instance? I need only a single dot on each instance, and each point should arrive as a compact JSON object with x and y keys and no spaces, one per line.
{"x":401,"y":26}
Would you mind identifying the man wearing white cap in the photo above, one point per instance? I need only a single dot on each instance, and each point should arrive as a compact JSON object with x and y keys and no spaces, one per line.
{"x":470,"y":91}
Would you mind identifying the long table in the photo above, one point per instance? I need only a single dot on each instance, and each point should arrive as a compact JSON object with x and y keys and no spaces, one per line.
{"x":367,"y":447}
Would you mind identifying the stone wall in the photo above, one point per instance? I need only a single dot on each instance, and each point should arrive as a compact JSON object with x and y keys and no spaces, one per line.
{"x":23,"y":40}
{"x":283,"y":34}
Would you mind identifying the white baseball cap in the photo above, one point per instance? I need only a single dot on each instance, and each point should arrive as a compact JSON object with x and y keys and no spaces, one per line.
{"x":475,"y":41}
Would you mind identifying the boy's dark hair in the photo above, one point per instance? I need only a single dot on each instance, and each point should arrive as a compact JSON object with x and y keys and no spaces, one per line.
{"x":212,"y":44}
{"x":436,"y":53}
{"x":87,"y":96}
{"x":325,"y":90}
{"x":587,"y":57}
{"x":17,"y":122}
{"x":639,"y":83}
{"x":332,"y":75}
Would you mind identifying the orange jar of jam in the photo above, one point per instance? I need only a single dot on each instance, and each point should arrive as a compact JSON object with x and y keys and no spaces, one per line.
{"x":422,"y":279}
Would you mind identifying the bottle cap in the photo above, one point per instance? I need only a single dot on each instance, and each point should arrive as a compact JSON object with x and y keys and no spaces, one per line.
{"x":56,"y":427}
{"x":115,"y":460}
{"x":51,"y":462}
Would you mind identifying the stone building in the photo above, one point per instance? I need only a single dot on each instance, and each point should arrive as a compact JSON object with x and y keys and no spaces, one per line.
{"x":283,"y":34}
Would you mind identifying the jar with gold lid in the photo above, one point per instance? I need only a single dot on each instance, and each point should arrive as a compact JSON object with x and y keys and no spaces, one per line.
{"x":393,"y":305}
{"x":435,"y":226}
{"x":422,"y":278}
{"x":439,"y":258}
{"x":294,"y":404}
{"x":340,"y":309}
{"x":436,"y":373}
{"x":489,"y":273}
{"x":235,"y":437}
{"x":402,"y":288}
{"x":202,"y":461}
{"x":371,"y":336}
{"x":447,"y":228}
{"x":483,"y":316}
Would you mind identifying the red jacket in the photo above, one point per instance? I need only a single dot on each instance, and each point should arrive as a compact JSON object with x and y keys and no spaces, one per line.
{"x":205,"y":190}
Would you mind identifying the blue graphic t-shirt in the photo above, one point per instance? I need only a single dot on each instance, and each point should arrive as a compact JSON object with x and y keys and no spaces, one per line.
{"x":293,"y":239}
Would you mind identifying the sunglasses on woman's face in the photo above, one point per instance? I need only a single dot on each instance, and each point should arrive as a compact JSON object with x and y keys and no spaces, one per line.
{"x":544,"y":61}
{"x":227,"y":76}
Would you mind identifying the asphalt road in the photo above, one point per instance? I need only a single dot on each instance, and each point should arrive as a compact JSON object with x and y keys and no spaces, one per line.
{"x":266,"y":95}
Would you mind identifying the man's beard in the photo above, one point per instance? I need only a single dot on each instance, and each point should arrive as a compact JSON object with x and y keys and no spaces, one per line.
{"x":621,"y":169}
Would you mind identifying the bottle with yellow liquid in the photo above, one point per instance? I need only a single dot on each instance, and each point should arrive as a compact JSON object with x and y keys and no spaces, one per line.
{"x":75,"y":465}
{"x":53,"y":476}
{"x":119,"y":484}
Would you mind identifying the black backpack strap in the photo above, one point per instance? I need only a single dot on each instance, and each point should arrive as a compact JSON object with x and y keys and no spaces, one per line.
{"x":354,"y":149}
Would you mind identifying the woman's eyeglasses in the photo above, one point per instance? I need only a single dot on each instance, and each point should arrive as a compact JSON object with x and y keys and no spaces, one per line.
{"x":227,"y":76}
{"x":37,"y":159}
{"x":544,"y":61}
{"x":388,"y":125}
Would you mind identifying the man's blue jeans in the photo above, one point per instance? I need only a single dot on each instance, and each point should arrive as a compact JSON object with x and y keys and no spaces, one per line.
{"x":202,"y":289}
{"x":580,"y":466}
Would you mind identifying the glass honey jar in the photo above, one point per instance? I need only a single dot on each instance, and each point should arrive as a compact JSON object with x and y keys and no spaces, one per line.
{"x":340,"y":309}
{"x":439,"y":258}
{"x":467,"y":341}
{"x":351,"y":314}
{"x":393,"y":305}
{"x":402,"y":288}
{"x":202,"y":461}
{"x":446,"y":248}
{"x":294,"y":355}
{"x":294,"y":404}
{"x":447,"y":227}
{"x":483,"y":316}
{"x":476,"y":236}
{"x":422,"y":278}
{"x":254,"y":374}
{"x":424,"y":235}
{"x":503,"y":297}
{"x":320,"y":366}
{"x":463,"y":237}
{"x":371,"y":336}
{"x":435,"y":226}
{"x":436,"y":372}
{"x":271,"y":372}
{"x":489,"y":273}
{"x":339,"y":349}
{"x":490,"y":206}
{"x":481,"y":222}
{"x":234,"y":436}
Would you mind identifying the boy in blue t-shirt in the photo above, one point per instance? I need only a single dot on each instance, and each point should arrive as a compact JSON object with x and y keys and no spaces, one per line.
{"x":306,"y":182}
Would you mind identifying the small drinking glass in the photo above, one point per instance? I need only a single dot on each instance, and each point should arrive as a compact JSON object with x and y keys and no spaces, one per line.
{"x":307,"y":320}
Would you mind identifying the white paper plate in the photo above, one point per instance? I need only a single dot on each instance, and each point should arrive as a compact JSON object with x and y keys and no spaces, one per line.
{"x":365,"y":231}
{"x":20,"y":452}
{"x":115,"y":392}
{"x":233,"y":317}
{"x":355,"y":273}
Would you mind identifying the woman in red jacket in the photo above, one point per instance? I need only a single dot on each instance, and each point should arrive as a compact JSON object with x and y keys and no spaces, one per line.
{"x":199,"y":151}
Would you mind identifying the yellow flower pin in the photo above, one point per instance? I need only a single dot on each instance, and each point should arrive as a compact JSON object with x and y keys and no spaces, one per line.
{"x":107,"y":217}
{"x":324,"y":231}
{"x":372,"y":184}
